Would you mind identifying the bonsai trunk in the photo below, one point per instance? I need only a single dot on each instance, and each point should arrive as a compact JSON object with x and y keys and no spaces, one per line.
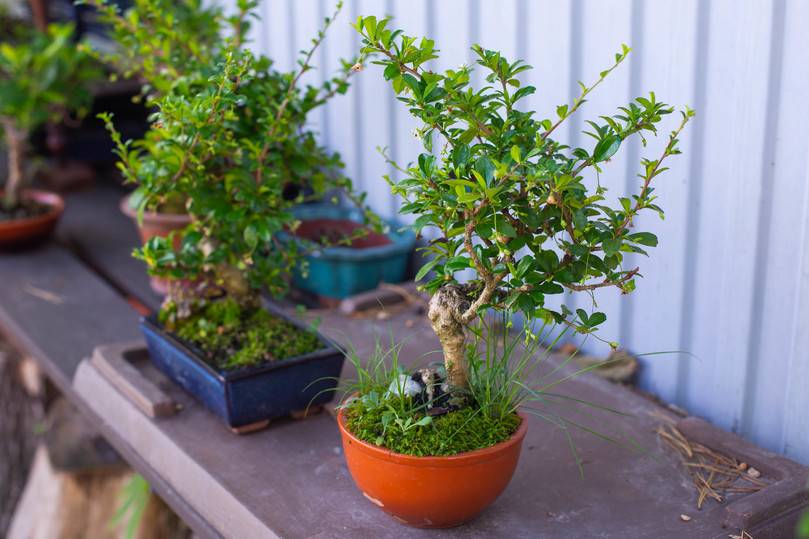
{"x":16,"y":139}
{"x":445,"y":311}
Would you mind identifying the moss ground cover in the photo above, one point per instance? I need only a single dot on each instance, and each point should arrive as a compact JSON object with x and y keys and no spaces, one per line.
{"x":456,"y":432}
{"x":232,"y":336}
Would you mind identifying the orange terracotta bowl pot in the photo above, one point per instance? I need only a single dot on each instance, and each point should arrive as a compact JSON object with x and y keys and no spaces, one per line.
{"x":431,"y":492}
{"x":23,"y":232}
{"x":156,"y":224}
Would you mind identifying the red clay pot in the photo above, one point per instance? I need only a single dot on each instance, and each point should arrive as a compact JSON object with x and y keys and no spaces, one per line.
{"x":431,"y":492}
{"x":157,"y":224}
{"x":24,"y":232}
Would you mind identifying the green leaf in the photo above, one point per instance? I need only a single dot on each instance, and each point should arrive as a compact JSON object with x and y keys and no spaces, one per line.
{"x":456,"y":263}
{"x":596,"y":319}
{"x":425,"y":269}
{"x":391,"y":71}
{"x":550,"y":288}
{"x":643,"y":238}
{"x":606,"y":148}
{"x":505,"y":228}
{"x":486,"y":168}
{"x":251,"y":237}
{"x":460,"y":155}
{"x":611,"y":246}
{"x":515,"y":154}
{"x":548,"y":261}
{"x":523,"y":265}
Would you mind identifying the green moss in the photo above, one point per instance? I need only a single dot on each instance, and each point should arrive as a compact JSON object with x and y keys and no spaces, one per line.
{"x":463,"y":430}
{"x":232,"y":337}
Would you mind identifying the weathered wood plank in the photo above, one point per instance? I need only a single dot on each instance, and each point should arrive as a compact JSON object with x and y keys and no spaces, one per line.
{"x":56,"y":310}
{"x":104,"y":237}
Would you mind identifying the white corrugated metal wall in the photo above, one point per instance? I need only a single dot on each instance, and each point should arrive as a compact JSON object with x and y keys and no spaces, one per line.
{"x":729,"y":282}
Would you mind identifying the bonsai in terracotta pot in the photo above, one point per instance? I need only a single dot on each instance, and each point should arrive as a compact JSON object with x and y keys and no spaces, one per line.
{"x":222,"y":145}
{"x":44,"y":76}
{"x":523,"y":214}
{"x":166,"y":53}
{"x":180,"y":54}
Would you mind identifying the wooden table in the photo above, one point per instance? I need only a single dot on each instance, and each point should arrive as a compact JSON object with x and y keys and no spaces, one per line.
{"x":61,"y":300}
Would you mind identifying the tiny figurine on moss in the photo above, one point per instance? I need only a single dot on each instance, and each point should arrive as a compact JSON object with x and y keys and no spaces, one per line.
{"x":44,"y":76}
{"x":227,"y":145}
{"x":521,"y":211}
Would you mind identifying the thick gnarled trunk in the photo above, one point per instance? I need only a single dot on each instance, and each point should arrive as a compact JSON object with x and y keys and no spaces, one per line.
{"x":445,"y":311}
{"x":16,"y":141}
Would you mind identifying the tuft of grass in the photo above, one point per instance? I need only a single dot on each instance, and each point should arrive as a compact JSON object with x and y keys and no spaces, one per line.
{"x":456,"y":432}
{"x":134,"y":497}
{"x":234,"y":337}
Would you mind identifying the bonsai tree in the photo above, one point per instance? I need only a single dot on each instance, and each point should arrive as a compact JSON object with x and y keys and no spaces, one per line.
{"x":519,"y":208}
{"x":179,"y":54}
{"x":43,"y":77}
{"x":232,"y":147}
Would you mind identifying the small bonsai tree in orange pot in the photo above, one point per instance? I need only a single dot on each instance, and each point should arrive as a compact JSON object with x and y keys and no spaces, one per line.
{"x":518,"y":210}
{"x":44,"y":76}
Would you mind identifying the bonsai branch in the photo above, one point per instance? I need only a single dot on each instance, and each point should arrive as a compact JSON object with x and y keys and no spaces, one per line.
{"x":650,"y":174}
{"x":305,"y":66}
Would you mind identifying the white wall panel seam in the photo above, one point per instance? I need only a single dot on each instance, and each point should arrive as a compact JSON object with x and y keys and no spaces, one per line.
{"x":754,"y":344}
{"x":694,"y":186}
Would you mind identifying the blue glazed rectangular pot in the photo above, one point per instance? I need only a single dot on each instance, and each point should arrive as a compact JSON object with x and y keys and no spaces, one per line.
{"x":251,"y":394}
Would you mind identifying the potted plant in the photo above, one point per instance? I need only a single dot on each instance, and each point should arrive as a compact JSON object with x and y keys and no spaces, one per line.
{"x":43,"y":77}
{"x":344,"y":256}
{"x":225,"y":146}
{"x":166,"y":53}
{"x":516,"y":207}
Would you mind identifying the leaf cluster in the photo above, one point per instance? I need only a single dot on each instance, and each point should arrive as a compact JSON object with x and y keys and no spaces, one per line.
{"x":167,"y":44}
{"x":513,"y":204}
{"x":44,"y":76}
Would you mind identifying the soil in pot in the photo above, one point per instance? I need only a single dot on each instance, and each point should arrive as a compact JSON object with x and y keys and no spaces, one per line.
{"x":228,"y":336}
{"x":26,"y":209}
{"x":340,"y":232}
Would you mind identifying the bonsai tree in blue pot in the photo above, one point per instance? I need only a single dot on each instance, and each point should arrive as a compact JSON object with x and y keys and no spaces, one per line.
{"x":225,"y":145}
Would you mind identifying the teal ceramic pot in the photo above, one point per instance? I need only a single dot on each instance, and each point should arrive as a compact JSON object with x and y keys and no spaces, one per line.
{"x":342,"y":271}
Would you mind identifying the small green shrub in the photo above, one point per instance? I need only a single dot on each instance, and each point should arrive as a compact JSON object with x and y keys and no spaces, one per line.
{"x":230,"y":136}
